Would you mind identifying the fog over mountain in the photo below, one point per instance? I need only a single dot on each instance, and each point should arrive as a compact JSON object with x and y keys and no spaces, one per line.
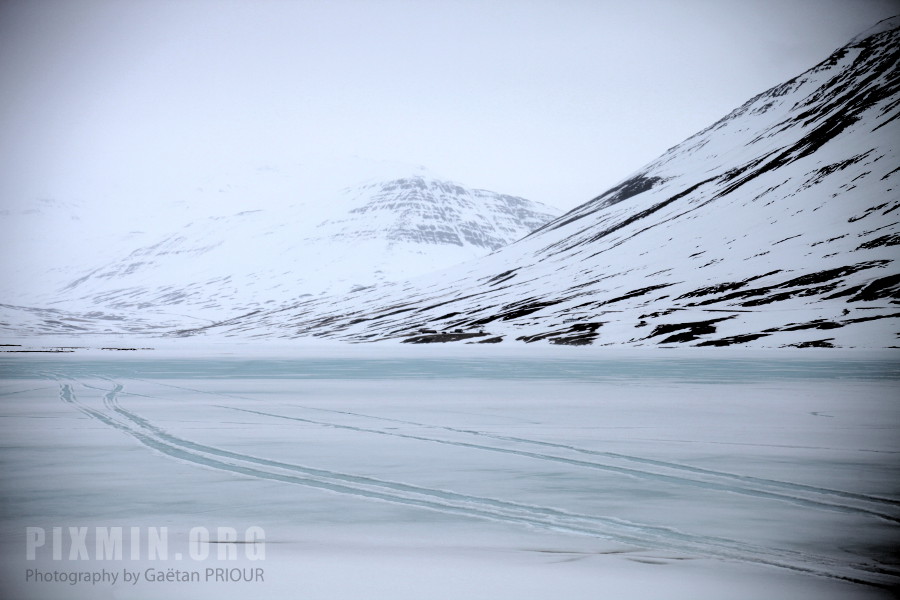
{"x":307,"y":237}
{"x":775,"y":226}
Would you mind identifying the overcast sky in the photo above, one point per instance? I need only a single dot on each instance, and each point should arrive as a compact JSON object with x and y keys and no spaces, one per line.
{"x":552,"y":100}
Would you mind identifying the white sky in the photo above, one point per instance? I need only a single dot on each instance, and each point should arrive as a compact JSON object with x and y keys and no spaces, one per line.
{"x":552,"y":100}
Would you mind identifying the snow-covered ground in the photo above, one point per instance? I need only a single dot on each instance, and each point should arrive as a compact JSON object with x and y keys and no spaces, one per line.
{"x":456,"y":472}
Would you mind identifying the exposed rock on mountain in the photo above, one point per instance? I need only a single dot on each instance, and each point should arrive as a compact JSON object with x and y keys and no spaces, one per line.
{"x":418,"y":210}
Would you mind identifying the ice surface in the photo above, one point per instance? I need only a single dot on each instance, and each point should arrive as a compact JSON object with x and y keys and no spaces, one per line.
{"x":382,"y":475}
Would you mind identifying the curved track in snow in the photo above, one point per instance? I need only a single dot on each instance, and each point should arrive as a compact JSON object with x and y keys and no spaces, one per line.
{"x":120,"y":418}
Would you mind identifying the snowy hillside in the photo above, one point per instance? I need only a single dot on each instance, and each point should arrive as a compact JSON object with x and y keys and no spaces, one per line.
{"x":271,"y":252}
{"x":775,"y":226}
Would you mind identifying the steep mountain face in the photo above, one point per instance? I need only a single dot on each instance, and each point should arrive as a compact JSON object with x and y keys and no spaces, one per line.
{"x":775,"y":226}
{"x":213,"y":267}
{"x":426,"y":211}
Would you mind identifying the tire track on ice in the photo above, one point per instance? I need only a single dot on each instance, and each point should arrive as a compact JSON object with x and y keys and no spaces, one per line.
{"x":637,"y":459}
{"x":642,"y":474}
{"x":828,"y":497}
{"x":466,"y":505}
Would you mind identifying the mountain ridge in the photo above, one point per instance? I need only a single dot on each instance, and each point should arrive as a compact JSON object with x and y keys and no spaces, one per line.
{"x":374,"y":232}
{"x":794,"y":193}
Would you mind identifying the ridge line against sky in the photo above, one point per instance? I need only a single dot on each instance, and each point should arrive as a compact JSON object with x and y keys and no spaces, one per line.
{"x":552,"y":101}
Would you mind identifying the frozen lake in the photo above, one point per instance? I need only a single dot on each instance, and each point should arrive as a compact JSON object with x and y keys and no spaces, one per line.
{"x":387,"y":475}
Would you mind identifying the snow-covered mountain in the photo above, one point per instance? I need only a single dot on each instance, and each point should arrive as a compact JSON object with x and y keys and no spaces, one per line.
{"x":776,"y":225}
{"x":429,"y":212}
{"x":217,"y":266}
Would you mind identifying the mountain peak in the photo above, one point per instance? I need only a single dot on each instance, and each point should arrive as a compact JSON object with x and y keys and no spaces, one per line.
{"x":883,"y":26}
{"x":426,"y":210}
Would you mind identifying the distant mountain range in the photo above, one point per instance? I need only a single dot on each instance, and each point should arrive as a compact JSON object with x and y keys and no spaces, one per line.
{"x":775,"y":226}
{"x":212,"y":267}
